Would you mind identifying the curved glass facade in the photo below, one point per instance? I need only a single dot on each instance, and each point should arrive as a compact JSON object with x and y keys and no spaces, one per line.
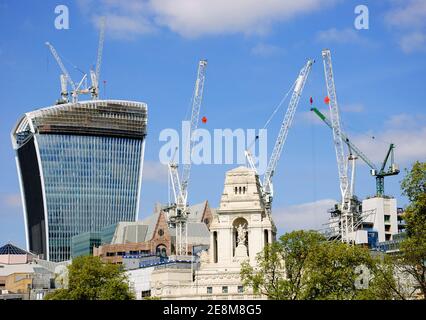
{"x":88,"y":160}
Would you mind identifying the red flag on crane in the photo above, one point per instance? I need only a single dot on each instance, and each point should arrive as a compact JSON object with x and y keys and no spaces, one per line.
{"x":204,"y":119}
{"x":311,"y":100}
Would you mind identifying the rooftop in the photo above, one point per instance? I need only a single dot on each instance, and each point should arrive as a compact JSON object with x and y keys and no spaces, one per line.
{"x":117,"y":118}
{"x":11,"y":249}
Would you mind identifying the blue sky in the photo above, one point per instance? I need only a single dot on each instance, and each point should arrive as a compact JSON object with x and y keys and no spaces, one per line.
{"x":255,"y":50}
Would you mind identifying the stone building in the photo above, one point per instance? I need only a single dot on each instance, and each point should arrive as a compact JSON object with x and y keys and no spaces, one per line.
{"x":239,"y":230}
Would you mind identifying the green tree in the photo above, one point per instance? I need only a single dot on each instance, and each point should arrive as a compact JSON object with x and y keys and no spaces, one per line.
{"x":413,"y":248}
{"x":91,"y":279}
{"x":303,"y":265}
{"x":385,"y":284}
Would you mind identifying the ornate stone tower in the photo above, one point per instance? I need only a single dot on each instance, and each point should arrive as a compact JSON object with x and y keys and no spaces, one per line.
{"x":240,"y":228}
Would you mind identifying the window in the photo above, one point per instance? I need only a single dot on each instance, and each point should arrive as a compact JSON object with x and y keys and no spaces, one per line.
{"x":160,"y":232}
{"x":240,"y":289}
{"x":146,"y":293}
{"x":110,"y":254}
{"x":236,"y":190}
{"x":215,"y":247}
{"x":224,"y":289}
{"x":387,"y":218}
{"x":209,"y":290}
{"x":121,"y":253}
{"x":244,"y":190}
{"x":134,"y":252}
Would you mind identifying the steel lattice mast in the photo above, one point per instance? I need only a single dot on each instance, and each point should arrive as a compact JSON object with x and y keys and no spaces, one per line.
{"x":178,"y":218}
{"x":346,"y":216}
{"x":335,"y":123}
{"x":77,"y":89}
{"x":267,"y":186}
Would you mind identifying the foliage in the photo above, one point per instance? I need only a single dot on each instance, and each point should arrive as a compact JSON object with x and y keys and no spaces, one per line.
{"x":413,"y":248}
{"x":91,"y":279}
{"x":384,"y":284}
{"x":303,"y":265}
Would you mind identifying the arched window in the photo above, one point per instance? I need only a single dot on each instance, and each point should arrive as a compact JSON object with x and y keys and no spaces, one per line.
{"x":244,"y":190}
{"x":236,"y":190}
{"x":161,"y":250}
{"x":240,"y":190}
{"x":215,"y":247}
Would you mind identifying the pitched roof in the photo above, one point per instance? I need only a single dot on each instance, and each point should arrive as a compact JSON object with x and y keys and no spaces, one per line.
{"x":196,"y":212}
{"x":11,"y":249}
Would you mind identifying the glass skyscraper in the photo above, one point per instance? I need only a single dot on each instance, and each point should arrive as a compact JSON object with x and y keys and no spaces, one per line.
{"x":80,"y":169}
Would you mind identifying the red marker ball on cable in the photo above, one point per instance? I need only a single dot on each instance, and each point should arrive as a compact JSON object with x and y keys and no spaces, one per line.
{"x":327,"y":100}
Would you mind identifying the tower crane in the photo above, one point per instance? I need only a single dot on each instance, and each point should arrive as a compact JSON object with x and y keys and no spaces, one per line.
{"x":346,"y":213}
{"x":381,"y":173}
{"x":179,"y":215}
{"x":95,"y":75}
{"x":65,"y":78}
{"x":267,"y":189}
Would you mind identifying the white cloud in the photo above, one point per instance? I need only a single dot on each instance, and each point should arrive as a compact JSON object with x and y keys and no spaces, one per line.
{"x":266,"y":50}
{"x":307,"y":216}
{"x":308,"y":117}
{"x":352,"y":108}
{"x":122,"y":26}
{"x":194,"y":18}
{"x":408,"y":18}
{"x":155,"y":172}
{"x":411,"y":14}
{"x":412,"y":42}
{"x":343,"y":36}
{"x":407,"y":132}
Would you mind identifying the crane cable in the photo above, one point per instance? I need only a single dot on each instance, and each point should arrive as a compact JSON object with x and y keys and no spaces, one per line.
{"x":273,"y":113}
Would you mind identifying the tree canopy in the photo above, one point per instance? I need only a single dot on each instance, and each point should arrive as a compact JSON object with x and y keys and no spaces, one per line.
{"x":91,"y":279}
{"x":413,"y":248}
{"x":304,"y":265}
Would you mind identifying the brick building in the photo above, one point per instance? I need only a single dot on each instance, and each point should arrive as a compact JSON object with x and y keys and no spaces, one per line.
{"x":154,"y":236}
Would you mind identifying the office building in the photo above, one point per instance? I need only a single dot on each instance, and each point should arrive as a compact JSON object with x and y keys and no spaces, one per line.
{"x":80,"y":169}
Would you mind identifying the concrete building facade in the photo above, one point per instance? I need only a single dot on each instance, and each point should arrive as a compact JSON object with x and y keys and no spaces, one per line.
{"x":385,"y":218}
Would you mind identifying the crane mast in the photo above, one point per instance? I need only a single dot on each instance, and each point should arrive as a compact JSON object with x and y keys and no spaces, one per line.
{"x":64,"y":74}
{"x":337,"y":132}
{"x":195,"y":116}
{"x":65,"y":77}
{"x":267,"y":186}
{"x":95,"y":75}
{"x":178,"y":218}
{"x":285,"y":126}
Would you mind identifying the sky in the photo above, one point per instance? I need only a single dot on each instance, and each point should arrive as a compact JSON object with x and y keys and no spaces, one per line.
{"x":255,"y":50}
